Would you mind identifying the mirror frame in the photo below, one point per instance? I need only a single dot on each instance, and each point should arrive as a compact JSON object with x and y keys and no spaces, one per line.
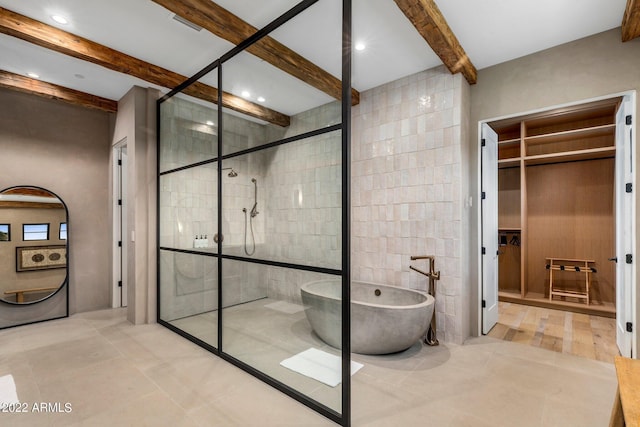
{"x":65,"y":281}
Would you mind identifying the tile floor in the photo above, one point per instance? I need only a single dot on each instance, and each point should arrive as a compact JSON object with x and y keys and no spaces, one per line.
{"x":117,"y":374}
{"x":593,"y":337}
{"x":263,"y":337}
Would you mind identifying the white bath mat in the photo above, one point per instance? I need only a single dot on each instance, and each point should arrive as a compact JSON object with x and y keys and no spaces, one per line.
{"x":285,"y":307}
{"x":319,"y":365}
{"x":8,"y":392}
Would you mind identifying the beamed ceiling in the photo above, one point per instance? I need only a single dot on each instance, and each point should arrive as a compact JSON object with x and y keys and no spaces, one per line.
{"x":110,"y":45}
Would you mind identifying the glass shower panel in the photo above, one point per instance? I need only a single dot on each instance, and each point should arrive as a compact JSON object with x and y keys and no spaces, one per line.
{"x":188,"y":131}
{"x":189,"y":208}
{"x":280,"y":211}
{"x":285,"y":204}
{"x":271,"y":332}
{"x":306,"y":108}
{"x":189,"y":294}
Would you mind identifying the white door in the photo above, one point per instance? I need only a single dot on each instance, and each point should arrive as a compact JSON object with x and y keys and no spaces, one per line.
{"x":489,"y":212}
{"x":625,"y":226}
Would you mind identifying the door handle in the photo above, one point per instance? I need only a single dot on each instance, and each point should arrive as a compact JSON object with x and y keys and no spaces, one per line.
{"x":614,"y":259}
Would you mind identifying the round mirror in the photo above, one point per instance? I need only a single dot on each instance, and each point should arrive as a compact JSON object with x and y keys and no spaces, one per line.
{"x":33,"y":244}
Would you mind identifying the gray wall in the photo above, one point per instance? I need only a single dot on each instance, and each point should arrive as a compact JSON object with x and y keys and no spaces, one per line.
{"x":591,"y":67}
{"x":65,"y":149}
{"x":136,"y":124}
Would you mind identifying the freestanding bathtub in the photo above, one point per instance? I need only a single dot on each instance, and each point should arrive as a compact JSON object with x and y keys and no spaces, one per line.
{"x":384,"y":319}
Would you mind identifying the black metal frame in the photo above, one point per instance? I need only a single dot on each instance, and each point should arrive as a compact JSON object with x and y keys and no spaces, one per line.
{"x":343,"y":418}
{"x":65,"y":283}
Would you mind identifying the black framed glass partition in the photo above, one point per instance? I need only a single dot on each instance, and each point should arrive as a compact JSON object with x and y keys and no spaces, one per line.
{"x":253,"y":211}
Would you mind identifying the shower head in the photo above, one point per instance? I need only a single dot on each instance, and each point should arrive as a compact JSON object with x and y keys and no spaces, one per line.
{"x":231,"y":174}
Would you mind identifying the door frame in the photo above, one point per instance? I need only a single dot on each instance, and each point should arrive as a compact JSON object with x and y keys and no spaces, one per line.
{"x":633,"y":291}
{"x":119,"y":247}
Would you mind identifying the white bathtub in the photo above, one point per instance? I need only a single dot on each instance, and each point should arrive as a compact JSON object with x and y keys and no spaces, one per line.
{"x":384,"y":319}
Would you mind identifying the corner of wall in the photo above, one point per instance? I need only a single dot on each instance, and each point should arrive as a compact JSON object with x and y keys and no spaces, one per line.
{"x":152,"y":95}
{"x":466,"y":194}
{"x":136,"y":121}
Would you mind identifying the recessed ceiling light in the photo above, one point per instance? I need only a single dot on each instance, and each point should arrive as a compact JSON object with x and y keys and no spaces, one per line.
{"x":360,"y":46}
{"x":261,"y":99}
{"x":246,"y":93}
{"x":60,"y":19}
{"x":209,"y":123}
{"x":33,"y":75}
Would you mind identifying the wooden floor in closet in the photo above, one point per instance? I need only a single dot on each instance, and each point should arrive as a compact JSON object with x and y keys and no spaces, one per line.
{"x":592,"y":337}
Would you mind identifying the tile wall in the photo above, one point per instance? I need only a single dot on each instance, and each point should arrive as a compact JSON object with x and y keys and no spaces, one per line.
{"x":299,"y":199}
{"x":406,"y":188}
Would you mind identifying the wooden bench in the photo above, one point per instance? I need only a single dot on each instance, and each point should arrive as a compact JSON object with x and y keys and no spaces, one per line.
{"x":19,"y":293}
{"x":626,"y":406}
{"x":575,"y":265}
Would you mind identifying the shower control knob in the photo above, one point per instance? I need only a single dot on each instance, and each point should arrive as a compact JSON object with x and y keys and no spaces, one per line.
{"x":217,"y":238}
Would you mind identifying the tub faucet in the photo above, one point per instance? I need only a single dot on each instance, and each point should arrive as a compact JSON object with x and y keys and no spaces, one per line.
{"x":433,"y":275}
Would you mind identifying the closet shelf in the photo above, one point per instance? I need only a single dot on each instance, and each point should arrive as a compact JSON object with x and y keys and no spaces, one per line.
{"x":509,"y":163}
{"x":563,"y":156}
{"x":509,"y":141}
{"x":588,"y":132}
{"x":569,"y":156}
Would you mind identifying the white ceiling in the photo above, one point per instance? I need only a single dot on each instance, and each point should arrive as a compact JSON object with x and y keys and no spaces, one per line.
{"x":491,"y":32}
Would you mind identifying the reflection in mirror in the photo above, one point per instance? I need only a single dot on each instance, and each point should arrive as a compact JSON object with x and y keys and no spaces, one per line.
{"x":31,"y":269}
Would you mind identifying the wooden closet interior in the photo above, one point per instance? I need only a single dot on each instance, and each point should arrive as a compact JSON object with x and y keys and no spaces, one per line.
{"x":556,"y":208}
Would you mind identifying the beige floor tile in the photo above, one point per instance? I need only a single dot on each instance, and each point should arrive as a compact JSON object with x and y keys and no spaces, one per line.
{"x":114,"y":373}
{"x":54,"y":332}
{"x":574,"y":413}
{"x":501,"y":404}
{"x":11,"y":343}
{"x":96,"y":389}
{"x":154,"y":409}
{"x":26,"y":419}
{"x":257,"y":404}
{"x":137,"y":353}
{"x":62,"y":360}
{"x":376,"y":403}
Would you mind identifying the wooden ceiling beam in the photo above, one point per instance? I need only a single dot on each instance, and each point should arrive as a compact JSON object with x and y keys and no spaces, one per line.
{"x":428,"y":20}
{"x":230,"y":27}
{"x":51,"y":91}
{"x":631,"y":21}
{"x":49,"y":37}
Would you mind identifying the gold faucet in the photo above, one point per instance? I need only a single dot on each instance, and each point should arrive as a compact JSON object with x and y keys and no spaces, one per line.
{"x":432,"y":275}
{"x":431,"y":337}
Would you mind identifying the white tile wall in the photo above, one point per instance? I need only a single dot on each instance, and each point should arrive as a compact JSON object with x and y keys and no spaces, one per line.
{"x":299,"y":199}
{"x":406,"y":187}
